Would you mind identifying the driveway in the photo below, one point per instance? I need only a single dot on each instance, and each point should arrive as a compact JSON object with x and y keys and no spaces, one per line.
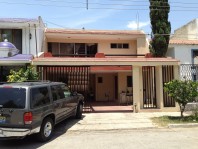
{"x":116,"y":121}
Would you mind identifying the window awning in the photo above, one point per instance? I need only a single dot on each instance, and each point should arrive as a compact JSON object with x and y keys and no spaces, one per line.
{"x":19,"y":59}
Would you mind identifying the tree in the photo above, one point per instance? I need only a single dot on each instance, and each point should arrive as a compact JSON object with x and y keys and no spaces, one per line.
{"x":161,"y":27}
{"x":23,"y":74}
{"x":182,"y":92}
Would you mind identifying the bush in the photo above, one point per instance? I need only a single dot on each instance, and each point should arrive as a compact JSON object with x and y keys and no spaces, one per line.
{"x":23,"y":75}
{"x":182,"y":92}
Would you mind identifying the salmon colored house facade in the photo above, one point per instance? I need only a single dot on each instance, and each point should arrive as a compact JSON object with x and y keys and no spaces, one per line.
{"x":108,"y":66}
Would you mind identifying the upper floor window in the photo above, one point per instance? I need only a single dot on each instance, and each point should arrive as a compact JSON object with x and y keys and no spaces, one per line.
{"x":119,"y":46}
{"x":12,"y":35}
{"x":73,"y":49}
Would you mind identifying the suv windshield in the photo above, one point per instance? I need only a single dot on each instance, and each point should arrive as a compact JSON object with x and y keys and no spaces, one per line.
{"x":12,"y":98}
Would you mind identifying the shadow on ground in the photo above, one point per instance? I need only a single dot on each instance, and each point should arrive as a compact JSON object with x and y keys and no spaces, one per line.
{"x":30,"y":142}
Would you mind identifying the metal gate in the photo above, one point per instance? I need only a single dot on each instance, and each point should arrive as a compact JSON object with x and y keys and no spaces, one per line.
{"x":77,"y":78}
{"x":167,"y":76}
{"x":149,"y":87}
{"x":189,"y":72}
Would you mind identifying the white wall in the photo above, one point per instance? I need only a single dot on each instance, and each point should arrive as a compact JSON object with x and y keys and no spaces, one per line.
{"x":37,"y":39}
{"x":182,"y":53}
{"x":170,"y":52}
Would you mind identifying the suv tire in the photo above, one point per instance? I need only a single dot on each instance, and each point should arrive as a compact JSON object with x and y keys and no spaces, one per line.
{"x":46,"y":130}
{"x":79,"y":111}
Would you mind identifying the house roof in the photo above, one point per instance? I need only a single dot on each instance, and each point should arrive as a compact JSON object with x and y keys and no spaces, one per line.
{"x":19,"y":59}
{"x":183,"y":42}
{"x":103,"y":32}
{"x":69,"y":34}
{"x":17,"y":20}
{"x":107,"y":61}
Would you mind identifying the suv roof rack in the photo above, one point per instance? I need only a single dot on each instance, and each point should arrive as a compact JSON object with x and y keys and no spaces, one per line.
{"x":37,"y":81}
{"x":1,"y":83}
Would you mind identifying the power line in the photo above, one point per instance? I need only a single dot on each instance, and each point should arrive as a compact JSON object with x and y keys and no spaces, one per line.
{"x":31,"y":4}
{"x":177,"y":2}
{"x":118,"y":4}
{"x":69,"y":6}
{"x":57,"y":24}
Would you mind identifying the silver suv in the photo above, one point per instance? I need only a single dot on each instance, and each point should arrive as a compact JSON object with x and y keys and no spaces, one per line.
{"x":36,"y":107}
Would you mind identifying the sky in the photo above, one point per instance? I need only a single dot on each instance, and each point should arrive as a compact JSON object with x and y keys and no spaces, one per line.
{"x":98,"y":14}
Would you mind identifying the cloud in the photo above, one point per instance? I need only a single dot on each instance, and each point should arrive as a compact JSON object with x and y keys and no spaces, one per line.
{"x":87,"y":18}
{"x":133,"y":24}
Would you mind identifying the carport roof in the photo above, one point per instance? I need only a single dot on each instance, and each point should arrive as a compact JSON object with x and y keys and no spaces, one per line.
{"x":19,"y":59}
{"x":107,"y":61}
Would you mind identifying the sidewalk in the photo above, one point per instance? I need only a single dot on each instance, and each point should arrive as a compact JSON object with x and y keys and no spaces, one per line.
{"x":117,"y":121}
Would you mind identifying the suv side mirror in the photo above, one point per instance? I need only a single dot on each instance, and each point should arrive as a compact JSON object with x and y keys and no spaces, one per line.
{"x":74,"y":93}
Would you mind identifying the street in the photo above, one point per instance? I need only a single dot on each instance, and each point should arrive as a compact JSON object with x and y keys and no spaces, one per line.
{"x":159,"y":138}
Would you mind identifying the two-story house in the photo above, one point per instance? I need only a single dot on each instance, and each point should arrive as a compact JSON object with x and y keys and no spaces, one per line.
{"x":107,"y":64}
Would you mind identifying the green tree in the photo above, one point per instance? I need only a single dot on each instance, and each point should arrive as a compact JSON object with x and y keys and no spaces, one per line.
{"x":182,"y":92}
{"x":161,"y":27}
{"x":23,"y":74}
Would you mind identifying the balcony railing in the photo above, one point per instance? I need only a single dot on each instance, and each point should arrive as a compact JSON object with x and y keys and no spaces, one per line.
{"x":93,"y":55}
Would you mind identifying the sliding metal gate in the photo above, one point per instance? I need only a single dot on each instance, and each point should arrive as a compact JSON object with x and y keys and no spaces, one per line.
{"x":77,"y":78}
{"x":167,"y":76}
{"x":149,"y":87}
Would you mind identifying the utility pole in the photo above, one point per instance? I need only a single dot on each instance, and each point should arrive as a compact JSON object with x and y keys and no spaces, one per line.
{"x":87,"y":4}
{"x":137,"y":19}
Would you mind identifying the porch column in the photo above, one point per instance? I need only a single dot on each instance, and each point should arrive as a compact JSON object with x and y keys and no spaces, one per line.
{"x":137,"y":91}
{"x":159,"y":87}
{"x":176,"y":72}
{"x":176,"y":76}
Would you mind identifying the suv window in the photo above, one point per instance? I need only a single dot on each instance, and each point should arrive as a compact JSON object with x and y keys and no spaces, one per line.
{"x":57,"y":92}
{"x":66,"y":90}
{"x":12,"y":98}
{"x":39,"y":97}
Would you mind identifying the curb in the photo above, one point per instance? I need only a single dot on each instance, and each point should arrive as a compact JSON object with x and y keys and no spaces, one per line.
{"x":115,"y":129}
{"x":187,"y":125}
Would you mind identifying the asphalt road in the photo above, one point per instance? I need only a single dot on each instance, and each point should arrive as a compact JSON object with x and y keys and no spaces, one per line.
{"x":166,"y":138}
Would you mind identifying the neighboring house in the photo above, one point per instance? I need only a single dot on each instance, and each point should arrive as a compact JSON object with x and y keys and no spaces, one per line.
{"x":108,"y":64}
{"x":28,"y":37}
{"x":184,"y":47}
{"x":26,"y":34}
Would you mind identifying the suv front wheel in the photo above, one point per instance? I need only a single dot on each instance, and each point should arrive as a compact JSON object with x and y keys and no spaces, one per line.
{"x":79,"y":111}
{"x":46,"y":130}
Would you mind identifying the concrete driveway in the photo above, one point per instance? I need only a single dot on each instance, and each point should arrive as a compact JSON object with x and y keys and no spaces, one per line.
{"x":116,"y":121}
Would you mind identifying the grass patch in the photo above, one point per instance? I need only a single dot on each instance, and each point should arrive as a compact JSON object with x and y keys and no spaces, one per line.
{"x":163,"y":121}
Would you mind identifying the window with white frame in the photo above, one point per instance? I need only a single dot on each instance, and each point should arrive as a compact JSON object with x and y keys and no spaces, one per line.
{"x":12,"y":35}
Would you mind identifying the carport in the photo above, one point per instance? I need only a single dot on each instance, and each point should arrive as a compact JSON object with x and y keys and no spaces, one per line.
{"x":149,"y":76}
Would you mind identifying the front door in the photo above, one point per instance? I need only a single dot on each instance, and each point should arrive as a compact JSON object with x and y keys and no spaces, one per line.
{"x":105,"y":87}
